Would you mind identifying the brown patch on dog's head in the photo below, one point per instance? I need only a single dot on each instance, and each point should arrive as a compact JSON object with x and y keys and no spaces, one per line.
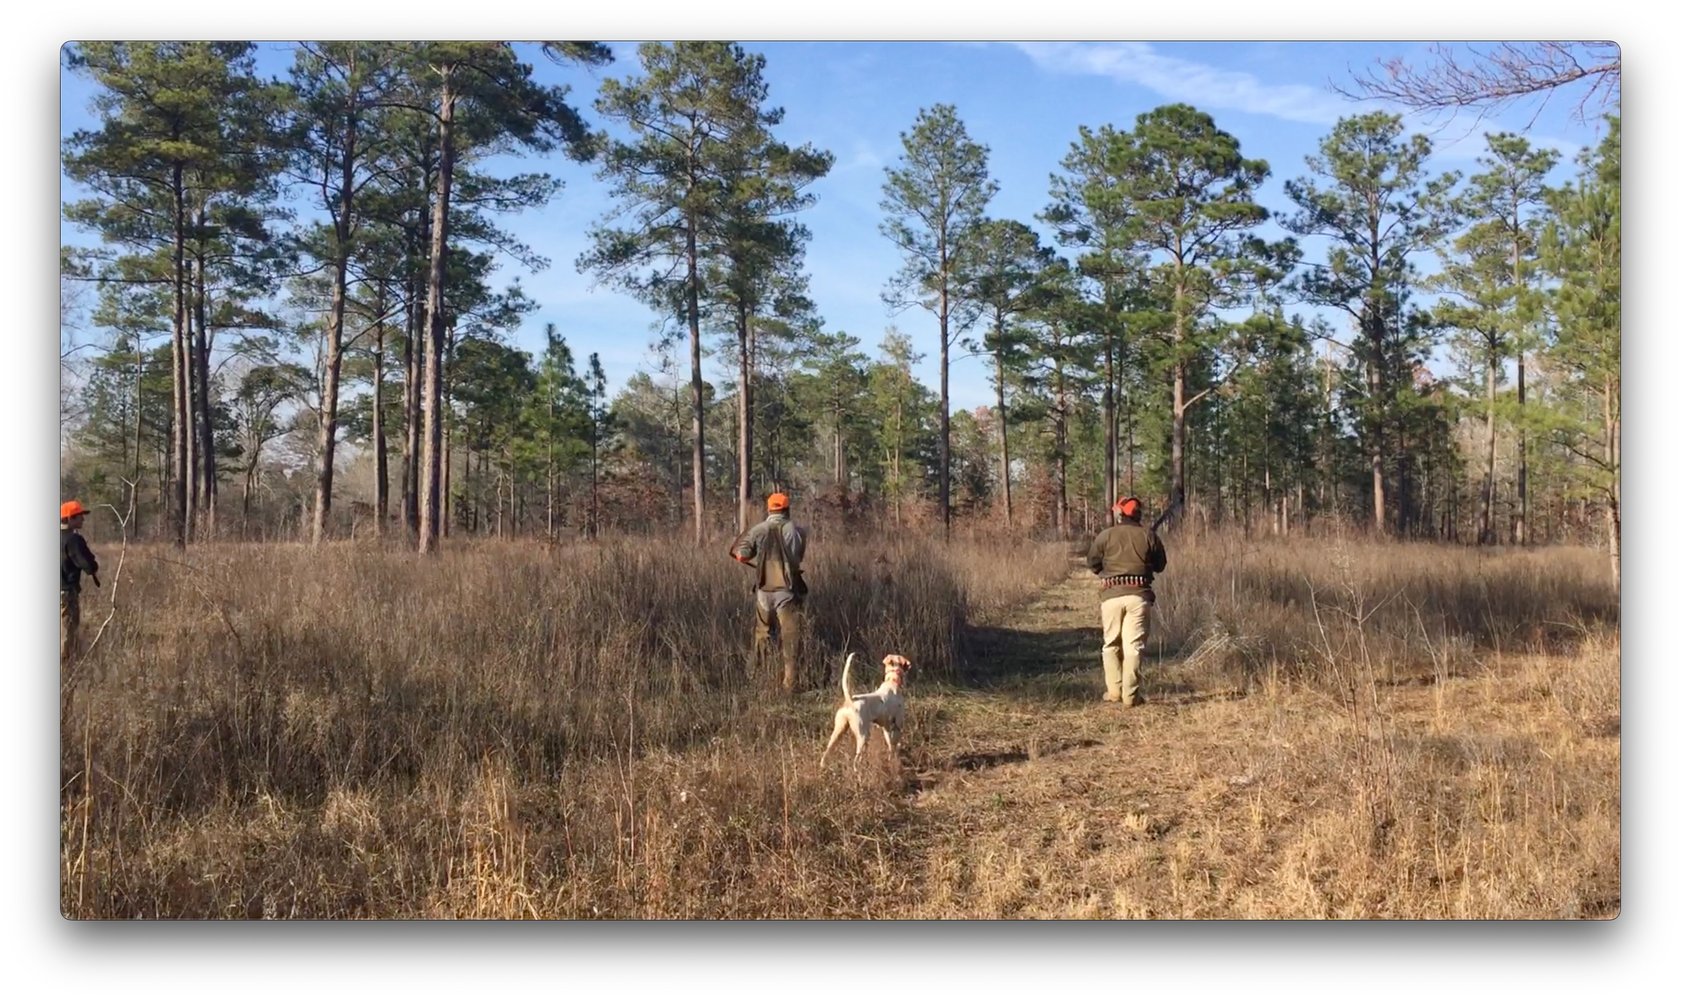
{"x":896,"y":666}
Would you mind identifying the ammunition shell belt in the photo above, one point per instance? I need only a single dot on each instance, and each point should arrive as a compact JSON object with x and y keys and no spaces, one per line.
{"x":1126,"y":580}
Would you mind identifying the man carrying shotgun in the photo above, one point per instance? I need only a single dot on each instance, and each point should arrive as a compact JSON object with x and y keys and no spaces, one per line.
{"x":775,"y":548}
{"x":1127,"y":556}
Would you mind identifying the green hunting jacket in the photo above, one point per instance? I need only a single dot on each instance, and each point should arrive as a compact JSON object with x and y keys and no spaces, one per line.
{"x":1127,"y":549}
{"x":777,"y":577}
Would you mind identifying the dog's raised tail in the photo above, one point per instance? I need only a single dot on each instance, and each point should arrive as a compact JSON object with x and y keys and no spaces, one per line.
{"x":846,"y":676}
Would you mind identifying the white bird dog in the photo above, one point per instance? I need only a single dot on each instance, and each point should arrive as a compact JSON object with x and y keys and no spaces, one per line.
{"x":884,"y":707}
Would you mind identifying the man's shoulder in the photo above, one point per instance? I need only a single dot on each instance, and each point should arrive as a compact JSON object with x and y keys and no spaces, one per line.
{"x":1138,"y":531}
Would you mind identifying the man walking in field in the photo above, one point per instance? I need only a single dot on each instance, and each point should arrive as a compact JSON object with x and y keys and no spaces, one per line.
{"x":74,"y":559}
{"x":1127,"y":556}
{"x":775,"y":547}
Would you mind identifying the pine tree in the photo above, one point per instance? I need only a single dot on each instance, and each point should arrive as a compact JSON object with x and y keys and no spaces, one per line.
{"x":1091,"y":214}
{"x":1581,"y":249}
{"x":699,"y":123}
{"x":933,"y":199}
{"x":502,"y":106}
{"x":181,"y":121}
{"x":1000,"y":272}
{"x":1488,"y":274}
{"x":1190,"y":194}
{"x":1370,"y":197}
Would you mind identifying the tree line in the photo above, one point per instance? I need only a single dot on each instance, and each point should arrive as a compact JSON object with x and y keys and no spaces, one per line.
{"x":293,"y":263}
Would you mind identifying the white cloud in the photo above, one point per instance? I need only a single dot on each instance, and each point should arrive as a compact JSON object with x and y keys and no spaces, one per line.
{"x":863,"y":157}
{"x":1192,"y":82}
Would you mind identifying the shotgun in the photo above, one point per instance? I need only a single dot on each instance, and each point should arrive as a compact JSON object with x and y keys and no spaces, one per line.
{"x":1167,"y":515}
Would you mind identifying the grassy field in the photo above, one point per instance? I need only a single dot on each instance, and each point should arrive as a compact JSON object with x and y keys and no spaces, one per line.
{"x":1337,"y":728}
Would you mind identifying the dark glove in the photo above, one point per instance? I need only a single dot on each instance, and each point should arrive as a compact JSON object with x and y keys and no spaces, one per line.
{"x":96,"y":582}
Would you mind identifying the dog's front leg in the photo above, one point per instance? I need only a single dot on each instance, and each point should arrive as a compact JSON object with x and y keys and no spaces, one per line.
{"x":890,"y":733}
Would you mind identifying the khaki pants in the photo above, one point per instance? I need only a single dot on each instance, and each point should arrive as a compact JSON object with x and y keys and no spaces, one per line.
{"x":69,"y":625}
{"x":784,"y":624}
{"x":1126,"y":626}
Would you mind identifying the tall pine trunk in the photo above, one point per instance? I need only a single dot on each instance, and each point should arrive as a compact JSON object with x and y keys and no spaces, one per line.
{"x":548,"y":465}
{"x":413,"y":363}
{"x":432,"y":458}
{"x":1178,"y":466}
{"x":1061,"y":451}
{"x":1376,"y":382}
{"x":205,"y":427}
{"x":342,"y":226}
{"x":696,"y":385}
{"x":1111,"y":444}
{"x":382,"y":473}
{"x":1374,"y":449}
{"x":1003,"y":435}
{"x":744,"y":420}
{"x":180,"y":428}
{"x":1613,"y":506}
{"x":1520,"y":530}
{"x":1485,"y":531}
{"x":945,"y":393}
{"x":139,"y":376}
{"x":327,"y":435}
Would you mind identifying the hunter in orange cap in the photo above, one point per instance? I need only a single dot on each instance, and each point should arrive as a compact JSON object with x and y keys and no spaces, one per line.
{"x":1127,"y":556}
{"x":775,"y":547}
{"x":74,"y":559}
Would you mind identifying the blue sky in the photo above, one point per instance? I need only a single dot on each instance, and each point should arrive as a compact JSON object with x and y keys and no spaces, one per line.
{"x":1024,"y":101}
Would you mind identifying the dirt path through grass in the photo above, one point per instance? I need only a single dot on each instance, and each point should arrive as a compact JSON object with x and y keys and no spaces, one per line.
{"x":1028,"y":788}
{"x":1030,"y":797}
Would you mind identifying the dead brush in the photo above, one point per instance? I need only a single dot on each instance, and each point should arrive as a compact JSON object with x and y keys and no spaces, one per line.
{"x":1219,"y":652}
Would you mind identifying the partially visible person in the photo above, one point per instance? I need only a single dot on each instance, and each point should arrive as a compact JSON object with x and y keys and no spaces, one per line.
{"x":74,"y":559}
{"x":775,"y":547}
{"x":1127,"y":556}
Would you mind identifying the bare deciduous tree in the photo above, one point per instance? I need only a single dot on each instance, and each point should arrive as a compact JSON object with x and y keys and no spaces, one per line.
{"x":1485,"y":80}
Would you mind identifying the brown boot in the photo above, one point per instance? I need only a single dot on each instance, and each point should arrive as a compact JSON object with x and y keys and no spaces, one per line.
{"x":1111,"y":696}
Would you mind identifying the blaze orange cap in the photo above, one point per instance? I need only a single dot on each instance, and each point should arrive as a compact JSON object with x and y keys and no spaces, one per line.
{"x":777,"y":501}
{"x":1126,"y":506}
{"x":69,"y":509}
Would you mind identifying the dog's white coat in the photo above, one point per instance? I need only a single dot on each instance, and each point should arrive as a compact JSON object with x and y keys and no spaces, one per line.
{"x":884,"y":707}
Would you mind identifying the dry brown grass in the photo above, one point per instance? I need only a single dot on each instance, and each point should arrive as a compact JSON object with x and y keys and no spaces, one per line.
{"x":278,"y":730}
{"x":1340,"y":730}
{"x":1364,"y":731}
